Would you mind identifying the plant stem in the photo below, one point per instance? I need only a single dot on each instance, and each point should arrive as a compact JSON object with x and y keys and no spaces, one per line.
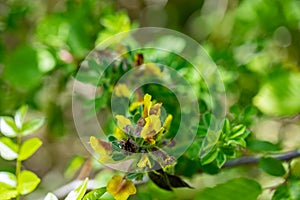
{"x":254,"y":159}
{"x":18,"y":167}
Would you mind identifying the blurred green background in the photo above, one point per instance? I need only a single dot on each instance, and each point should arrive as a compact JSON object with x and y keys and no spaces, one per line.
{"x":255,"y":44}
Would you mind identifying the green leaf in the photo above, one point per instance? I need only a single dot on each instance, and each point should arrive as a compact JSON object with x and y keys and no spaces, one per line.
{"x":8,"y":179}
{"x":209,"y":143}
{"x":263,"y":146}
{"x":50,"y":196}
{"x":210,"y":157}
{"x":20,"y":116}
{"x":79,"y":192}
{"x":295,"y":189}
{"x":237,"y":131}
{"x":74,"y":166}
{"x":221,"y":159}
{"x":272,"y":166}
{"x":28,"y":148}
{"x":28,"y":182}
{"x":280,"y":95}
{"x":95,"y":194}
{"x":135,"y":176}
{"x":281,"y":193}
{"x":8,"y":149}
{"x":226,"y":126}
{"x":7,"y":193}
{"x":21,"y":68}
{"x":31,"y":126}
{"x":8,"y":127}
{"x":239,"y":188}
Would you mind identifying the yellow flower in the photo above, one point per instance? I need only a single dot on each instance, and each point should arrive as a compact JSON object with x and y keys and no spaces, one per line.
{"x":151,"y":128}
{"x":155,"y":109}
{"x":144,"y":162}
{"x":168,"y":121}
{"x":120,"y":187}
{"x":104,"y":149}
{"x":147,"y":105}
{"x":134,"y":105}
{"x":121,"y":90}
{"x":123,"y":122}
{"x":119,"y":134}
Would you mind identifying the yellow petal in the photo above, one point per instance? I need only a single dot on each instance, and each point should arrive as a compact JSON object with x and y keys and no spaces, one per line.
{"x":121,"y":90}
{"x":152,"y":126}
{"x":144,"y":162}
{"x":147,"y":105}
{"x":155,"y":109}
{"x":119,"y":134}
{"x":102,"y":148}
{"x":122,"y":121}
{"x":120,"y":187}
{"x":167,"y":122}
{"x":134,"y":105}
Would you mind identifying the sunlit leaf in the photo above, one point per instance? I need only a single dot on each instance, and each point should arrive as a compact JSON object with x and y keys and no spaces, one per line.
{"x":8,"y":178}
{"x":95,"y":194}
{"x":8,"y":149}
{"x":20,"y":116}
{"x":272,"y":166}
{"x":209,"y":157}
{"x":226,"y":126}
{"x":50,"y":196}
{"x":29,"y":147}
{"x":8,"y":127}
{"x":7,"y":193}
{"x":79,"y":192}
{"x":239,"y":188}
{"x":120,"y":187}
{"x":31,"y":126}
{"x":74,"y":166}
{"x":280,"y":95}
{"x":28,"y":182}
{"x":237,"y":131}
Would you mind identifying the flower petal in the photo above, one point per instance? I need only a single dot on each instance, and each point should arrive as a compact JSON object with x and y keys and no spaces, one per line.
{"x":147,"y":105}
{"x":104,"y":149}
{"x":120,"y":187}
{"x":122,"y":121}
{"x":151,"y":127}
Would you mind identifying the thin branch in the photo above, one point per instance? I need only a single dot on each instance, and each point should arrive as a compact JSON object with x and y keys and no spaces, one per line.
{"x":255,"y":159}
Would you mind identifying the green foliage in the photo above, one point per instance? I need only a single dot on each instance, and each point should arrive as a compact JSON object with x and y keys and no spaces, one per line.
{"x":11,"y":147}
{"x":271,"y":166}
{"x":94,"y":194}
{"x":79,"y":192}
{"x":255,"y":45}
{"x":240,"y":188}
